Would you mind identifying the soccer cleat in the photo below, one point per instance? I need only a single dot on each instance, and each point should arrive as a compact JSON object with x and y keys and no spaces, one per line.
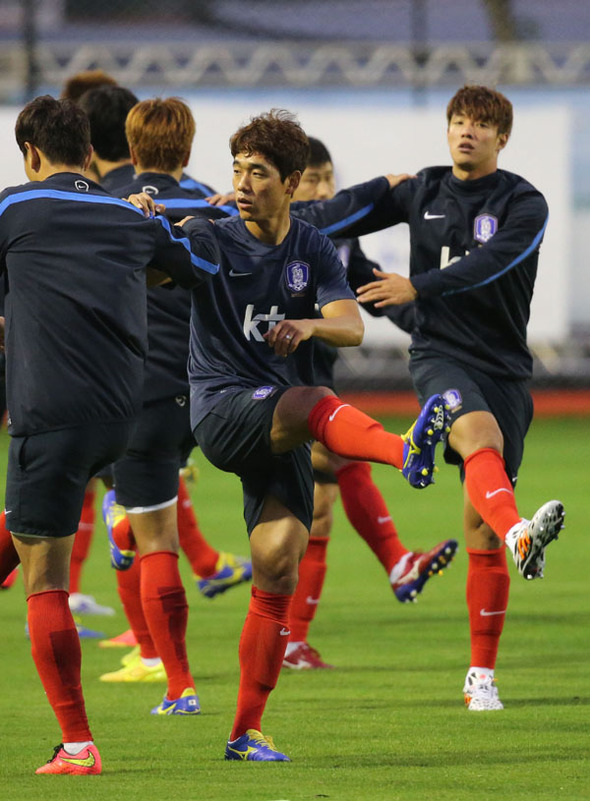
{"x":480,"y":692}
{"x":113,"y":513}
{"x":87,"y":605}
{"x":528,"y":539}
{"x":136,"y":671}
{"x":254,"y":747}
{"x":413,"y":570}
{"x":189,"y":471}
{"x":129,"y":658}
{"x":304,"y":657}
{"x":124,"y":640}
{"x":187,"y":704}
{"x":230,"y":571}
{"x":421,"y":440}
{"x":86,"y":763}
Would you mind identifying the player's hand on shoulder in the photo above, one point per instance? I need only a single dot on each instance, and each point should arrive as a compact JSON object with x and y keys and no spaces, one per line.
{"x":221,"y":199}
{"x":146,"y":203}
{"x":396,"y":180}
{"x":391,"y":289}
{"x":284,"y":337}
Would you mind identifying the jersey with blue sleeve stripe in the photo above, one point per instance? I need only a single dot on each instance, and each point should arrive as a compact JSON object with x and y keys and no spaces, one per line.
{"x":257,"y":286}
{"x":75,"y":259}
{"x":169,"y":308}
{"x":473,"y":261}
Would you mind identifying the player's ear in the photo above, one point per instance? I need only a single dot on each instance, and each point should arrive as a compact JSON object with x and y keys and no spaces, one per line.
{"x":293,"y":182}
{"x":32,"y":157}
{"x":502,"y":140}
{"x":88,"y":159}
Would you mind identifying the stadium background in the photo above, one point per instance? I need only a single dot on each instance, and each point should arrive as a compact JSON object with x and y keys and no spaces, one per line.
{"x":370,"y":77}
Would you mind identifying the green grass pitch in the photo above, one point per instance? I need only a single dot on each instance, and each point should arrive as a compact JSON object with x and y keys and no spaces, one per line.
{"x":389,"y":722}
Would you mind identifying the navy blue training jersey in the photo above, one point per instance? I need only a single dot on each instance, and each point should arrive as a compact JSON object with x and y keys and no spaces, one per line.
{"x":169,"y":308}
{"x":120,"y":176}
{"x":474,"y":253}
{"x":75,"y":259}
{"x":257,"y":286}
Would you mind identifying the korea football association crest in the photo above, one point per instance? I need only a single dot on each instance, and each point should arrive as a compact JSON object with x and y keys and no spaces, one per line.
{"x":484,"y":227}
{"x":297,"y":275}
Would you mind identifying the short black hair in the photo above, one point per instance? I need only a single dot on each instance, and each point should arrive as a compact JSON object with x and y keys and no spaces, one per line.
{"x":318,"y":153}
{"x":59,"y":128}
{"x":107,"y":108}
{"x":278,"y":136}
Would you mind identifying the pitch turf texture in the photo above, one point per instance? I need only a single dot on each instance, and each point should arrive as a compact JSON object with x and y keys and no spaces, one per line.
{"x":389,"y":722}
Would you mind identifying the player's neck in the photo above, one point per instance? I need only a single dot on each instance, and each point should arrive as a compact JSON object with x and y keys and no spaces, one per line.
{"x":270,"y":231}
{"x":473,"y":175}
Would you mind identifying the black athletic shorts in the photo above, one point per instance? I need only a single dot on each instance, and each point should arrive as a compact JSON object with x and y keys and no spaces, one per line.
{"x":47,"y":475}
{"x":235,"y":437}
{"x":160,"y":443}
{"x":469,"y":390}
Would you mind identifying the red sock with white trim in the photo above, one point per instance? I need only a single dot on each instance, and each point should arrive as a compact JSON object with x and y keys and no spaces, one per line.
{"x":202,"y":556}
{"x":368,"y":513}
{"x":488,"y":585}
{"x":312,"y":572}
{"x":490,"y":490}
{"x":351,"y":433}
{"x":262,"y":649}
{"x":129,"y":586}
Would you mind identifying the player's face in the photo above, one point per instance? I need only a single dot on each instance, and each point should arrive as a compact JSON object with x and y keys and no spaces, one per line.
{"x":260,"y":193}
{"x":317,"y":183}
{"x":474,"y":146}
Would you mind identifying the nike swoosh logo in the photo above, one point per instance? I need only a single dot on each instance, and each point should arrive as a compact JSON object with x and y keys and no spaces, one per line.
{"x":429,"y":216}
{"x":284,"y":632}
{"x":335,"y":412}
{"x":234,"y":274}
{"x":495,"y":492}
{"x":483,"y":613}
{"x":311,"y":600}
{"x":88,"y":762}
{"x":384,"y":519}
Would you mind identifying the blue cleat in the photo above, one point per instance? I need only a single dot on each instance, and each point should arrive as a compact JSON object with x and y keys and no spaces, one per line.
{"x":254,"y":747}
{"x":413,"y":570}
{"x":421,"y":440}
{"x":187,"y":704}
{"x":113,"y":513}
{"x":230,"y":571}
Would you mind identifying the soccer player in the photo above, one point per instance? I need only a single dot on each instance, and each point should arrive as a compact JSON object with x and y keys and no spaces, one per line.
{"x":107,"y":108}
{"x":363,"y":503}
{"x":160,"y":134}
{"x":475,"y":232}
{"x":254,"y":406}
{"x":75,"y":260}
{"x":79,"y":83}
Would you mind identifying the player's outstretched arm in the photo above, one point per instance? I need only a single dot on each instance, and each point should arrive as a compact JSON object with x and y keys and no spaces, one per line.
{"x":391,"y":289}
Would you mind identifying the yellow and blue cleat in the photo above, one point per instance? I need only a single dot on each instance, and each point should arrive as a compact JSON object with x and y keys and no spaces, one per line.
{"x":254,"y":747}
{"x":230,"y":571}
{"x":421,"y":440}
{"x":187,"y":704}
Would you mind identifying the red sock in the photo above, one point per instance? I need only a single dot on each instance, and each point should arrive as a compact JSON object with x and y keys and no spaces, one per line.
{"x":82,"y":540}
{"x":166,"y":611}
{"x":262,"y":649}
{"x":55,"y":646}
{"x":312,"y":572}
{"x":349,"y":432}
{"x":202,"y":556}
{"x":490,"y":490}
{"x":488,"y":584}
{"x":9,"y":558}
{"x":365,"y":508}
{"x":128,"y":584}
